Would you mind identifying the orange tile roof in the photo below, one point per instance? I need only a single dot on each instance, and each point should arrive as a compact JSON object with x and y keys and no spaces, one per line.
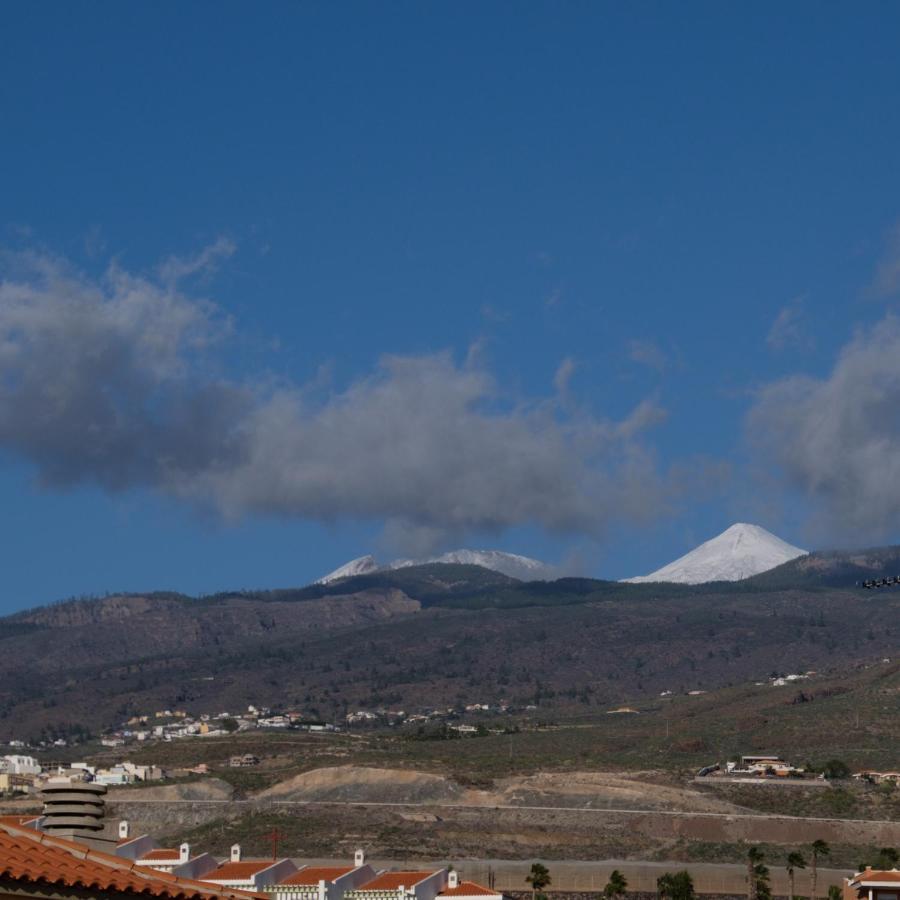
{"x":161,"y":854}
{"x":469,"y":889}
{"x":390,"y":881}
{"x":314,"y":874}
{"x":891,"y":875}
{"x":32,"y":857}
{"x":19,"y":820}
{"x":239,"y":871}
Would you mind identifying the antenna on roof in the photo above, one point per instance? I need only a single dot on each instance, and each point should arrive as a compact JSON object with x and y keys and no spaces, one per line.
{"x":275,"y":837}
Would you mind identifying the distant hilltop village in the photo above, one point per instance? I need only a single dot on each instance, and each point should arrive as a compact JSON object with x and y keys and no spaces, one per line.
{"x":177,"y":724}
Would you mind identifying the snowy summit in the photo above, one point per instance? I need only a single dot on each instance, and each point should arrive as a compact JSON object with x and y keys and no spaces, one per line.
{"x":511,"y":564}
{"x":362,"y":565}
{"x":738,"y":552}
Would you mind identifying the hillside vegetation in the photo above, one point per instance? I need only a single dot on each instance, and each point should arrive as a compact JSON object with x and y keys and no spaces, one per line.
{"x":438,"y":635}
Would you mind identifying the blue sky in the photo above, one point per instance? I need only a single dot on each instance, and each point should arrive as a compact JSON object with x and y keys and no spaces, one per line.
{"x":589,"y":209}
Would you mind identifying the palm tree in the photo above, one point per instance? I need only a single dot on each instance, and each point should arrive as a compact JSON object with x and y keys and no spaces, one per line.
{"x":795,"y":861}
{"x":754,"y":858}
{"x":679,"y":886}
{"x":538,"y":879}
{"x":616,"y":886}
{"x":819,"y":848}
{"x":762,"y":887}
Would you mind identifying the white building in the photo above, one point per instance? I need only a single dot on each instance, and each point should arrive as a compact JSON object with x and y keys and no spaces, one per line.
{"x":250,"y":875}
{"x":406,"y":885}
{"x":22,"y":765}
{"x":171,"y":861}
{"x":323,"y":882}
{"x":467,"y":890}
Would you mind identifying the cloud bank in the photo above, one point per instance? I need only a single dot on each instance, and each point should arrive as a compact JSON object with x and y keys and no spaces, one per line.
{"x":837,"y":439}
{"x":115,"y":381}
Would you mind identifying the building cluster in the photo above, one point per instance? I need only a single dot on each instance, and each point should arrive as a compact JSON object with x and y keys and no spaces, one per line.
{"x":394,"y":717}
{"x":70,"y":853}
{"x":169,"y":725}
{"x":769,"y":766}
{"x":761,"y":766}
{"x":284,"y":879}
{"x":26,"y":775}
{"x":71,"y":848}
{"x":877,"y":777}
{"x":178,"y":724}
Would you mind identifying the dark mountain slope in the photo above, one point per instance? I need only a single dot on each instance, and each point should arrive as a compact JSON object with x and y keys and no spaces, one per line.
{"x":429,"y":636}
{"x":834,"y":569}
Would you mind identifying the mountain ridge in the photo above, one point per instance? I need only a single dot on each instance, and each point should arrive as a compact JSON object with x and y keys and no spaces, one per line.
{"x":512,"y":564}
{"x":434,"y":635}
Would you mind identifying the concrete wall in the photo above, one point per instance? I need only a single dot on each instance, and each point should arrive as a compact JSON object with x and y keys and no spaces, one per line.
{"x":163,"y":818}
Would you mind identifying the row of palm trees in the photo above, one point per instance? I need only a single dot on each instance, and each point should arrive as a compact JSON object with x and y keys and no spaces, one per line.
{"x":680,"y":885}
{"x":758,"y":872}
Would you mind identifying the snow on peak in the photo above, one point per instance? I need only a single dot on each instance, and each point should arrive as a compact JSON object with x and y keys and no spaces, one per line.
{"x":507,"y":563}
{"x":738,"y":552}
{"x":362,"y":565}
{"x":511,"y":564}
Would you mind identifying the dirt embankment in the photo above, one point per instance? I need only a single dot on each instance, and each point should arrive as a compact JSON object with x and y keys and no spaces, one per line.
{"x":575,"y":790}
{"x":209,"y":789}
{"x":358,"y":784}
{"x":604,"y":790}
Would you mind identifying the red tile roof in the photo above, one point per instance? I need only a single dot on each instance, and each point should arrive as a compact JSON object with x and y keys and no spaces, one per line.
{"x":891,"y":875}
{"x":314,"y":874}
{"x":161,"y":854}
{"x":239,"y":871}
{"x":391,"y":881}
{"x":32,"y":857}
{"x":18,"y":820}
{"x":469,"y":889}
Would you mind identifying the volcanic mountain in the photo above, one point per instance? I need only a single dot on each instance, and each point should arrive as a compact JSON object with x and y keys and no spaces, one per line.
{"x":521,"y":567}
{"x":738,"y":552}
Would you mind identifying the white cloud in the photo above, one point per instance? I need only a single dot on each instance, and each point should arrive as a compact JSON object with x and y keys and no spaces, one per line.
{"x":114,"y":382}
{"x":837,"y":439}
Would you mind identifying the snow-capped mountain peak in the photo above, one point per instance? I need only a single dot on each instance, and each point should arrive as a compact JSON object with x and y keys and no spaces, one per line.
{"x":512,"y":564}
{"x":738,"y":552}
{"x":362,"y":565}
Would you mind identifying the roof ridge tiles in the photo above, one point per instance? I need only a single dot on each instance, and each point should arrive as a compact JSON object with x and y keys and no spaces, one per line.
{"x":140,"y":879}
